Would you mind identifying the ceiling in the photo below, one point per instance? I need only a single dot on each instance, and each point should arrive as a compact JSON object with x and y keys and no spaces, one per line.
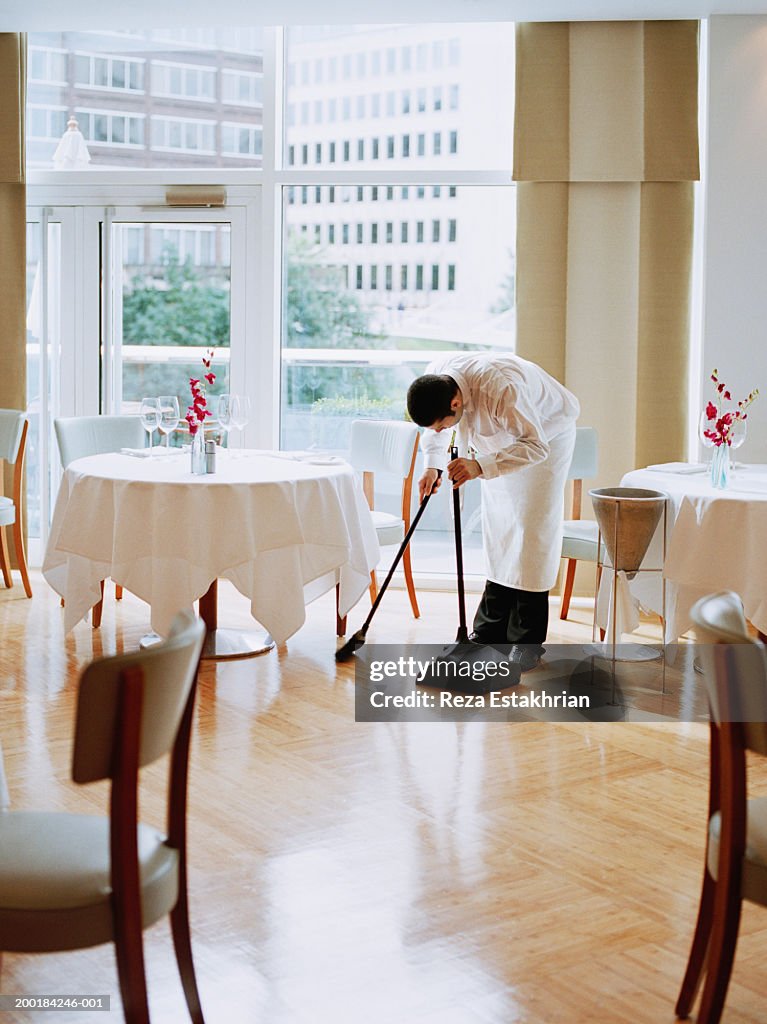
{"x":39,"y":15}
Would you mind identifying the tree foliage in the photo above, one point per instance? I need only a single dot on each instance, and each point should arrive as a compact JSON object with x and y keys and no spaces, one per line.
{"x":320,"y":311}
{"x":182,"y":309}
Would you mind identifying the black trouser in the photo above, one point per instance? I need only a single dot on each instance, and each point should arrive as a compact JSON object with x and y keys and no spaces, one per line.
{"x":509,"y":616}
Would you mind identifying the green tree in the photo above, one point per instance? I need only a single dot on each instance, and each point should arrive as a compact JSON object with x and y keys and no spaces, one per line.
{"x":182,"y":309}
{"x":320,"y":311}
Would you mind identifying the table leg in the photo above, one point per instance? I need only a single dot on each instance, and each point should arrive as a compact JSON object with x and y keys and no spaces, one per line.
{"x":221,"y":644}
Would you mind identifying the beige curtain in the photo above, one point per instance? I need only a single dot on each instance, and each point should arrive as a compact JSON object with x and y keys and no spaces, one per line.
{"x":13,"y":393}
{"x":13,"y":202}
{"x":606,"y":151}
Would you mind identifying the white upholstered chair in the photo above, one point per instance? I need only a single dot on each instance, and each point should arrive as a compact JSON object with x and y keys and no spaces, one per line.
{"x":13,"y":440}
{"x":78,"y":436}
{"x":580,"y":536}
{"x":387,"y":446}
{"x":69,"y":881}
{"x":735,"y":672}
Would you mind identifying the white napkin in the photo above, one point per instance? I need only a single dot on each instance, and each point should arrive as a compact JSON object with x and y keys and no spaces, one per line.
{"x":144,"y":453}
{"x":626,"y":606}
{"x":679,"y":467}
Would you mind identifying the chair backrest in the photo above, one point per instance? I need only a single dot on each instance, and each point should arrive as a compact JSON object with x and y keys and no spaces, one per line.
{"x":585,"y":461}
{"x":734,"y":666}
{"x":78,"y":436}
{"x":168,"y":671}
{"x":383,"y":446}
{"x":11,"y":428}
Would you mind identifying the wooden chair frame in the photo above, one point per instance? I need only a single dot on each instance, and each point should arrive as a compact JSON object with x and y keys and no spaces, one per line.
{"x":17,"y":526}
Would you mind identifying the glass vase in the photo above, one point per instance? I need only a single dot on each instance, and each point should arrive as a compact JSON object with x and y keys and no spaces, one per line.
{"x":720,"y":466}
{"x":198,"y":452}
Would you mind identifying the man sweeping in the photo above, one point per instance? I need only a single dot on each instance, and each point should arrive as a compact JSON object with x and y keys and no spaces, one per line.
{"x":521,"y":423}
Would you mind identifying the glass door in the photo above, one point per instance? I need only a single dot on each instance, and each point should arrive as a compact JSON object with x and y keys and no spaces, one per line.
{"x":174,"y":296}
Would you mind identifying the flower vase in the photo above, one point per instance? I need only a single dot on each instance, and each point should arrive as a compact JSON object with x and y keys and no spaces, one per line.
{"x":720,"y":466}
{"x":198,"y":452}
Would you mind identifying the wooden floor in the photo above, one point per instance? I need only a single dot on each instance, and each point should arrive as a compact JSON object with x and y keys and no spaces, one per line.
{"x":433,"y":873}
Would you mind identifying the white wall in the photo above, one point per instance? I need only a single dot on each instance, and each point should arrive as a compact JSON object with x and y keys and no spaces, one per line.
{"x":735,"y":261}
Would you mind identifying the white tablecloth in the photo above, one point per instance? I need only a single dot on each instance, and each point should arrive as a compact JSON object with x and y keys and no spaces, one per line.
{"x":283,"y":528}
{"x":716,"y":540}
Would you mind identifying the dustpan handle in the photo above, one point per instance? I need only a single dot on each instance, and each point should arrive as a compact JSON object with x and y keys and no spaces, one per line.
{"x":463,"y":633}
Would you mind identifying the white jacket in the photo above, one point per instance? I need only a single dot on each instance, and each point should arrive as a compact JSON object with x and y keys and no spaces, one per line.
{"x":521,"y":422}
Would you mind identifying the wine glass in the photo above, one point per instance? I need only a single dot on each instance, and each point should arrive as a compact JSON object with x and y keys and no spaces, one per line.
{"x":150,"y":417}
{"x":737,"y":433}
{"x":224,"y":414}
{"x":169,"y":416}
{"x":240,"y":411}
{"x":705,"y":424}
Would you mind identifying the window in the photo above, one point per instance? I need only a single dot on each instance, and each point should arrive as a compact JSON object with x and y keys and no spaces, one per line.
{"x":406,"y":102}
{"x":318,"y":153}
{"x":304,"y":155}
{"x":331,"y":234}
{"x":419,"y":231}
{"x":451,"y":230}
{"x":111,"y":128}
{"x":421,"y":144}
{"x":419,"y":277}
{"x":453,"y":142}
{"x":47,"y":65}
{"x":453,"y":97}
{"x":405,"y":145}
{"x":344,"y":234}
{"x":435,"y":277}
{"x":115,"y":73}
{"x":388,"y":277}
{"x":403,"y":277}
{"x":46,"y":122}
{"x":361,"y":102}
{"x":360,"y":149}
{"x":437,"y":97}
{"x":437,"y":143}
{"x":421,"y":100}
{"x":373,"y":278}
{"x":347,"y":151}
{"x":185,"y":81}
{"x":317,"y":194}
{"x":435,"y":231}
{"x":240,"y":140}
{"x":374,"y":149}
{"x":374,"y":234}
{"x":358,"y":277}
{"x":360,"y":229}
{"x":451,"y":277}
{"x":390,"y":147}
{"x":389,"y":231}
{"x":403,"y":231}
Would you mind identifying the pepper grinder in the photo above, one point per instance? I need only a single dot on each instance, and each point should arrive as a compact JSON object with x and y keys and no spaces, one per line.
{"x":210,"y":456}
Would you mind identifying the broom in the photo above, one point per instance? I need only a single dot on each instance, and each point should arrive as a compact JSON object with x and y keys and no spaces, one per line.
{"x":345,"y":652}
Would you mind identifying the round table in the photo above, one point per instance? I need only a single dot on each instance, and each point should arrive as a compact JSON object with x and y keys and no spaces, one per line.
{"x":283,"y":527}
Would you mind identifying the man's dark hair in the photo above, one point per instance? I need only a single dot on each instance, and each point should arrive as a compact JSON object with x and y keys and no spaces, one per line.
{"x":429,"y":398}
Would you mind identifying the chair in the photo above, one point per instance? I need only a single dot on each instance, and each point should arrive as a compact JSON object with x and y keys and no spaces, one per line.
{"x":386,"y":446}
{"x":70,"y":881}
{"x":579,"y":537}
{"x":735,"y":671}
{"x":78,"y":436}
{"x":13,"y":441}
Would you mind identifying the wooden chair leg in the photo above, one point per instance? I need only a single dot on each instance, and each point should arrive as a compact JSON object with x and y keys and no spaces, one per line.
{"x":5,"y":560}
{"x":567,"y":589}
{"x":118,"y":592}
{"x":409,"y":583}
{"x":98,"y":609}
{"x":721,"y":953}
{"x":340,"y":622}
{"x":21,"y":558}
{"x":373,"y":588}
{"x":696,"y":963}
{"x":182,"y":944}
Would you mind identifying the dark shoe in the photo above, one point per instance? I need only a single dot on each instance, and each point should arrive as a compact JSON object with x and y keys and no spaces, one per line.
{"x":527,"y":656}
{"x":479,"y":640}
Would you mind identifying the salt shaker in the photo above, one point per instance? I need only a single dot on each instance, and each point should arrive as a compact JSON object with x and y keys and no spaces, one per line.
{"x":210,"y":456}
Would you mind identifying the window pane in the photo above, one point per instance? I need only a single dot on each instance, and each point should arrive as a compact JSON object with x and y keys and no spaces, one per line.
{"x":360,"y":322}
{"x":416,"y":85}
{"x":141,"y":77}
{"x":174,"y":304}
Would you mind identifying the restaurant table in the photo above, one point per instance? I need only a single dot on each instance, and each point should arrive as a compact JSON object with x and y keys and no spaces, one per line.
{"x":716,"y":540}
{"x":283,"y":527}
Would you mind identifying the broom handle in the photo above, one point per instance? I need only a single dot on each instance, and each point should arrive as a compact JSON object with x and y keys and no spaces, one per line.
{"x":463,"y":633}
{"x":400,"y":553}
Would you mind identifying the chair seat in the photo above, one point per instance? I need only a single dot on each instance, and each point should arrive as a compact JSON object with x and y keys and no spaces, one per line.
{"x":579,"y":540}
{"x":755,"y":862}
{"x":390,"y":529}
{"x":7,"y":512}
{"x":55,"y":890}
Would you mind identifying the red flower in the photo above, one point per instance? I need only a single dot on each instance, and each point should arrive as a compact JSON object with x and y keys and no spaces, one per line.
{"x":210,"y":377}
{"x":198,"y":410}
{"x":710,"y":411}
{"x":722,"y":419}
